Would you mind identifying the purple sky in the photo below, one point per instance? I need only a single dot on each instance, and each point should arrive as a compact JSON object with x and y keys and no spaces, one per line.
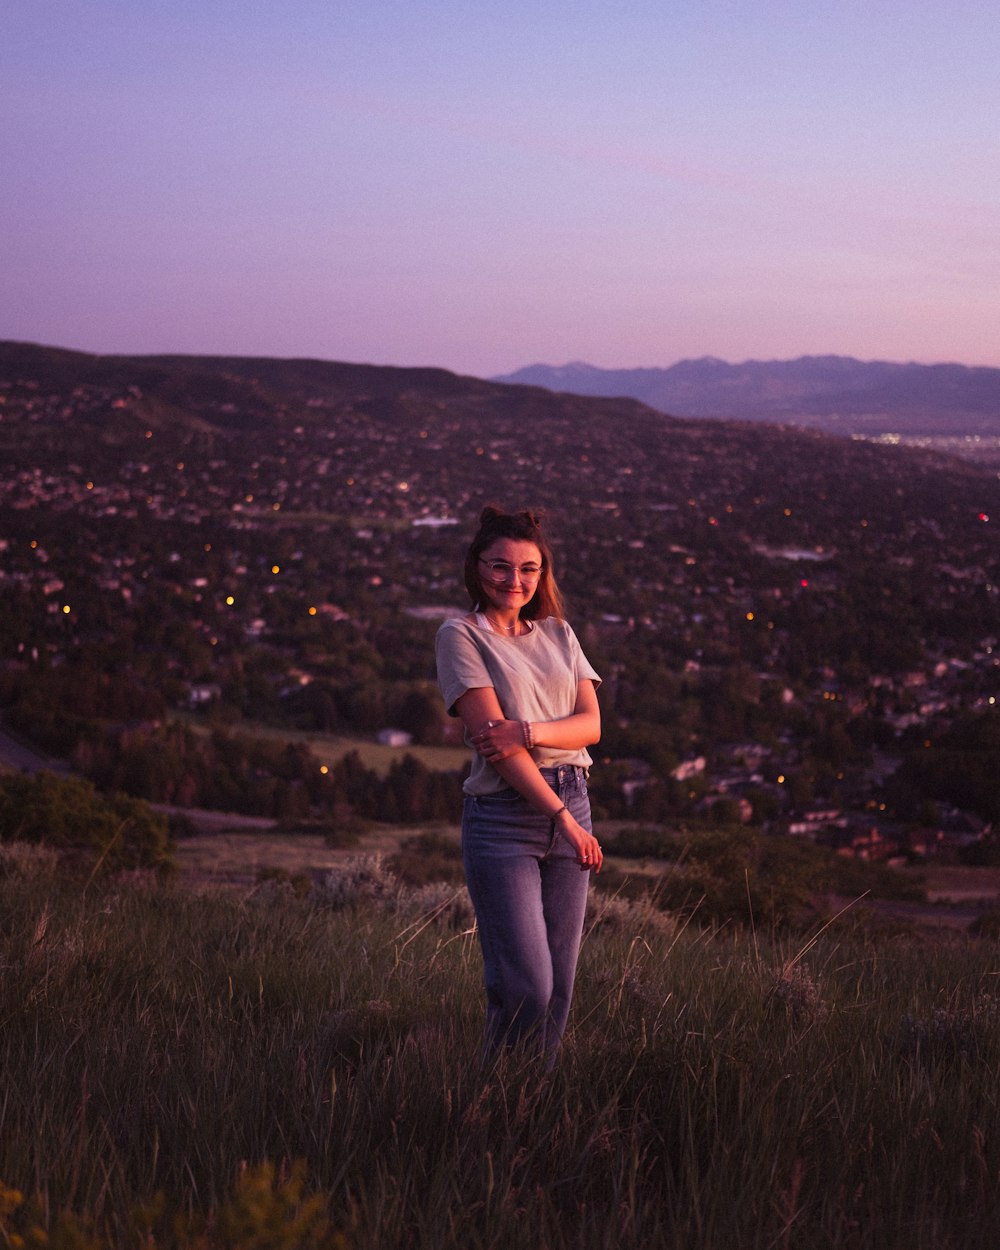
{"x":482,"y":187}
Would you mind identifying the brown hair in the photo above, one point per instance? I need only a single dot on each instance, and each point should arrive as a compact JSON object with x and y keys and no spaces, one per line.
{"x":525,"y":527}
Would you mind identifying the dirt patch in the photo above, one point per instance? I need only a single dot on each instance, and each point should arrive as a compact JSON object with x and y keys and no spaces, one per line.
{"x":237,"y":857}
{"x":226,"y":855}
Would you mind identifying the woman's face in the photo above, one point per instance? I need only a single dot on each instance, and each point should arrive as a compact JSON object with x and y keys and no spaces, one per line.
{"x":506,"y":587}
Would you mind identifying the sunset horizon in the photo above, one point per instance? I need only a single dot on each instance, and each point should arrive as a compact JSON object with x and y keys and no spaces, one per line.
{"x":433,"y":185}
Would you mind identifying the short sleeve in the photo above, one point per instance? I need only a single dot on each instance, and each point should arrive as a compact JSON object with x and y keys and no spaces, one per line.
{"x":461,"y":666}
{"x":585,"y":671}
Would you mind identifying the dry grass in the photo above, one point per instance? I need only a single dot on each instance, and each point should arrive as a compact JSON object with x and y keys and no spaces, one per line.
{"x":237,"y":858}
{"x":716,"y":1090}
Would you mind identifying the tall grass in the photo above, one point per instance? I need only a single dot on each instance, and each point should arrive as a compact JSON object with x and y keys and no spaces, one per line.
{"x":716,"y":1090}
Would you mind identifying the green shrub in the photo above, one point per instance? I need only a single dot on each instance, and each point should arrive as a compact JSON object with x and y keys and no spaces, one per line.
{"x":67,"y":813}
{"x":266,"y":1210}
{"x":742,"y":875}
{"x":643,"y":842}
{"x":987,"y":925}
{"x":428,"y":857}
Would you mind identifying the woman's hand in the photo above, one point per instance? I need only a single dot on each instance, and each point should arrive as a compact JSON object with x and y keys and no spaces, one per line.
{"x":499,"y":739}
{"x":587,"y":847}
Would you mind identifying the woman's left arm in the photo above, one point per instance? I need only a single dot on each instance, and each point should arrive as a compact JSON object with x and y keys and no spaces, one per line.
{"x":582,"y":728}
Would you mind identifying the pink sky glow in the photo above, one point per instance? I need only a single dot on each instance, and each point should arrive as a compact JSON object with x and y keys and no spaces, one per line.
{"x":442,"y":184}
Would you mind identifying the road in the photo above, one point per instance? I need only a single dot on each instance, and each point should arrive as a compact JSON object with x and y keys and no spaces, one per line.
{"x":15,"y":754}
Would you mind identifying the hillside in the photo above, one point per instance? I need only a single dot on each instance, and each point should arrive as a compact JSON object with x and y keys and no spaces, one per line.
{"x":236,"y":392}
{"x":276,"y":540}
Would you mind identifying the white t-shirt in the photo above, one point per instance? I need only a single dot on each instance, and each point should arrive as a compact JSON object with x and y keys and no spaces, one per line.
{"x":536,"y":677}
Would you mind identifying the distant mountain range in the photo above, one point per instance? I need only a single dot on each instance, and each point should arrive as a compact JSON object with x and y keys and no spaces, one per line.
{"x":834,"y":393}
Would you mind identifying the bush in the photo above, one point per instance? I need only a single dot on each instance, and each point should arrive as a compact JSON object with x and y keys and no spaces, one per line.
{"x":360,"y":879}
{"x":426,"y":858}
{"x":749,"y":877}
{"x":335,"y":833}
{"x":987,"y":925}
{"x":642,"y":843}
{"x":267,"y":1209}
{"x":67,"y":813}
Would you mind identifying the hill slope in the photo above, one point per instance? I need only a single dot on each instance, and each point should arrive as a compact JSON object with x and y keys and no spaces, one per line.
{"x":279,"y":538}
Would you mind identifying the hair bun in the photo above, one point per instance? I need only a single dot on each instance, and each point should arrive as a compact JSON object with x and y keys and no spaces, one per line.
{"x":531,"y":517}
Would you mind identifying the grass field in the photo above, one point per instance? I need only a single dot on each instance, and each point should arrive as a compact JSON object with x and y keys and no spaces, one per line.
{"x":328,"y":748}
{"x":250,"y":1067}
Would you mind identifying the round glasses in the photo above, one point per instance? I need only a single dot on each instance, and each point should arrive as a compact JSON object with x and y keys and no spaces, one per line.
{"x":502,"y":569}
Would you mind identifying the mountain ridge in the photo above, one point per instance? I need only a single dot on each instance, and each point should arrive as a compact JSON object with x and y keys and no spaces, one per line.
{"x":835,"y":394}
{"x":839,"y":394}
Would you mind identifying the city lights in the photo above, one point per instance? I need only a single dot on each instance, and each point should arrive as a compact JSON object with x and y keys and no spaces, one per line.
{"x":874,"y":653}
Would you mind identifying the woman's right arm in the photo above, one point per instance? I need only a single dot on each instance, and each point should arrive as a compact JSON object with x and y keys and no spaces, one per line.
{"x":479,"y":706}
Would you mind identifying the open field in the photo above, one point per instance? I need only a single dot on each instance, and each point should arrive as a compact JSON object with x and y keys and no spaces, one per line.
{"x":328,"y":748}
{"x":236,"y":856}
{"x":225,"y":1069}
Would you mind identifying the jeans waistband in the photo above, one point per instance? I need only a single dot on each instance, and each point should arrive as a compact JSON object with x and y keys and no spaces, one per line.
{"x":562,"y":773}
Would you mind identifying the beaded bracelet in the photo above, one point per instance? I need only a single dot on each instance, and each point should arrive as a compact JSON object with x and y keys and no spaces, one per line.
{"x":528,"y":733}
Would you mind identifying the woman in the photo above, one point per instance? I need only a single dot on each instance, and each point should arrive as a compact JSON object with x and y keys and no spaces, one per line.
{"x":512,"y":669}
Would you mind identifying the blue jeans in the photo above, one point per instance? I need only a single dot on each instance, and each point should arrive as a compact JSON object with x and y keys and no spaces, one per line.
{"x":530,"y":895}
